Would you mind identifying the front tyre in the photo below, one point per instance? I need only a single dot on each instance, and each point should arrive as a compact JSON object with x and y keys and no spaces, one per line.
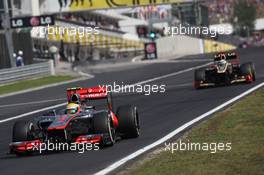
{"x":23,"y":131}
{"x":253,"y":71}
{"x":248,"y":70}
{"x":199,"y":76}
{"x":102,"y":124}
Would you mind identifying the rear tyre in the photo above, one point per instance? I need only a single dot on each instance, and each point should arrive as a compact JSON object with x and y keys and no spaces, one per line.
{"x":199,"y":75}
{"x":128,"y":121}
{"x":102,"y":124}
{"x":110,"y":101}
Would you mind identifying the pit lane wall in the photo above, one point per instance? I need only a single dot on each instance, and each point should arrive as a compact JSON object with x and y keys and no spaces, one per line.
{"x":185,"y":45}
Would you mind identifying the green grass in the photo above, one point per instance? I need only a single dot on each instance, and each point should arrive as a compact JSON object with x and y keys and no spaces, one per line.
{"x":32,"y":83}
{"x":241,"y":124}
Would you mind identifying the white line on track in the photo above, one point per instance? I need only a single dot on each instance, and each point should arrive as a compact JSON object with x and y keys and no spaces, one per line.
{"x":85,"y":74}
{"x":44,"y":87}
{"x":33,"y":112}
{"x":173,"y":61}
{"x":31,"y":103}
{"x":181,"y":61}
{"x":139,"y":83}
{"x":171,"y":74}
{"x":122,"y":161}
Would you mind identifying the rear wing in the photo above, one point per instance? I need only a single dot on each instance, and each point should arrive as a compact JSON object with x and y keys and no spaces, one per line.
{"x":78,"y":94}
{"x":229,"y":56}
{"x":87,"y":93}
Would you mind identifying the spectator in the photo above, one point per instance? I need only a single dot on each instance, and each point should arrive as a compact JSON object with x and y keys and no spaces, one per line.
{"x":54,"y":54}
{"x":77,"y":51}
{"x":61,"y":51}
{"x":19,"y":59}
{"x":221,"y":11}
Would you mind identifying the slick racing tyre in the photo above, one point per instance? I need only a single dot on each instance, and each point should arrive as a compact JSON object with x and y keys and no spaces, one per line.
{"x":248,"y":69}
{"x":128,"y":121}
{"x":253,"y":70}
{"x":199,"y":75}
{"x":23,"y":131}
{"x":102,"y":124}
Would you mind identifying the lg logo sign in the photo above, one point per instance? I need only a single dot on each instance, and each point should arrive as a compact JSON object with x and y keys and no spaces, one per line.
{"x":32,"y":21}
{"x":46,"y":20}
{"x":16,"y":23}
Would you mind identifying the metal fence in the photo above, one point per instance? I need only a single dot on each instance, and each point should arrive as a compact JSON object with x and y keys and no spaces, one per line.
{"x":24,"y":72}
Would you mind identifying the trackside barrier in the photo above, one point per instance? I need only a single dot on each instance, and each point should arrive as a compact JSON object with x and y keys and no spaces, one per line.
{"x":182,"y":45}
{"x":214,"y":46}
{"x":24,"y":72}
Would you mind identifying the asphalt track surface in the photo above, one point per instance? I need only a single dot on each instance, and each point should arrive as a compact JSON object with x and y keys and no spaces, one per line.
{"x":160,"y":114}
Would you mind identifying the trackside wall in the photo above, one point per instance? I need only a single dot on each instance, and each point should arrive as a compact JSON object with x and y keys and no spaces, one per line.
{"x":184,"y":45}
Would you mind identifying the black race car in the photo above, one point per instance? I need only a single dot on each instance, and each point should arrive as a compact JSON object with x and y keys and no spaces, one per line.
{"x":90,"y":124}
{"x":225,"y":70}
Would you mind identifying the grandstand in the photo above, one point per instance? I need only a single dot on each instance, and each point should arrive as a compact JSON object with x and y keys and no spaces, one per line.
{"x":117,"y":36}
{"x":221,"y":11}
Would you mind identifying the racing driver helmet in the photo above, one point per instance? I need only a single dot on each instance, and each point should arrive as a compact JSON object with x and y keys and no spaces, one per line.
{"x":221,"y":61}
{"x":73,"y":108}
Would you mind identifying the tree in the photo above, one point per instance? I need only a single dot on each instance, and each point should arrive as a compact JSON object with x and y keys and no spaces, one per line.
{"x":244,"y":18}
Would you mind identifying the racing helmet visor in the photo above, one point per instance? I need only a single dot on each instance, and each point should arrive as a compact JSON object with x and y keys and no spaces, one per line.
{"x":72,"y":111}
